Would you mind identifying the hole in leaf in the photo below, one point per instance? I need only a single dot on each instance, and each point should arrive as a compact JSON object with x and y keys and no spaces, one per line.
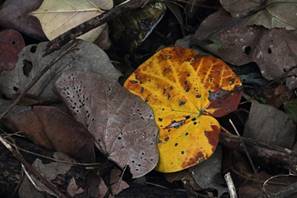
{"x":13,"y":42}
{"x":247,"y":50}
{"x":15,"y":89}
{"x":269,"y":50}
{"x":182,"y":152}
{"x":33,"y":49}
{"x":176,"y":144}
{"x":27,"y":67}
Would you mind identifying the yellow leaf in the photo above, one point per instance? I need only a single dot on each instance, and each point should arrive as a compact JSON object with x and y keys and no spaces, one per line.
{"x":185,"y":91}
{"x":59,"y":16}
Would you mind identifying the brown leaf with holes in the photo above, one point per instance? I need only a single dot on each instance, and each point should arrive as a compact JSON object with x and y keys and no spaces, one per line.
{"x":122,"y":123}
{"x":274,"y":50}
{"x":11,"y":43}
{"x":54,"y":129}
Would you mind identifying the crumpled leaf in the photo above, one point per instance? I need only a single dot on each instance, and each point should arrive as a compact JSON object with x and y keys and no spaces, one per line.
{"x":121,"y":123}
{"x":51,"y":128}
{"x":86,"y":57}
{"x":59,"y":16}
{"x":270,"y":125}
{"x":208,"y":174}
{"x":14,"y":14}
{"x":185,"y":91}
{"x":11,"y":43}
{"x":133,"y":28}
{"x":268,"y":13}
{"x":231,"y":39}
{"x":50,"y":171}
{"x":117,"y":184}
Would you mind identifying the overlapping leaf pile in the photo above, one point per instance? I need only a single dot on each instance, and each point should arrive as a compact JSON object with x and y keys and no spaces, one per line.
{"x":185,"y":91}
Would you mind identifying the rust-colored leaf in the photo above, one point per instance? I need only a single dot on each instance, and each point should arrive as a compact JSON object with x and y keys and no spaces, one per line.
{"x":185,"y":91}
{"x":54,"y":129}
{"x":11,"y":43}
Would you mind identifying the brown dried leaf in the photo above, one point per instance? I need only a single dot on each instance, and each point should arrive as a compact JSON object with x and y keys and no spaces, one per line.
{"x":15,"y":14}
{"x":231,"y":39}
{"x":11,"y":43}
{"x":54,"y":129}
{"x":121,"y":123}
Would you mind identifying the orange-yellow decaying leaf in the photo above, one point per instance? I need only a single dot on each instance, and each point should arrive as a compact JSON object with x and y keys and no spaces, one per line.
{"x":186,"y":91}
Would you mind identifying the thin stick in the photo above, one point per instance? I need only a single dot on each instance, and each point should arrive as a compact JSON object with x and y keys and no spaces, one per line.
{"x":230,"y":184}
{"x":31,"y":170}
{"x":245,"y":148}
{"x":92,"y":23}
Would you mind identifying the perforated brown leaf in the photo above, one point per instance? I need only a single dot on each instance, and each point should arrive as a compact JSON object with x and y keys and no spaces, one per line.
{"x":122,"y":123}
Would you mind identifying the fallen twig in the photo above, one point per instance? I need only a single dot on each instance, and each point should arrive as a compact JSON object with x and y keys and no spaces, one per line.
{"x":270,"y":154}
{"x":92,"y":23}
{"x":230,"y":184}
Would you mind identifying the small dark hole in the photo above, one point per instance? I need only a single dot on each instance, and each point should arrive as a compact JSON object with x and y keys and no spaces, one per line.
{"x":175,"y":144}
{"x":186,"y":134}
{"x":269,"y":50}
{"x":33,"y":49}
{"x":133,"y":161}
{"x":119,"y":138}
{"x":247,"y":50}
{"x":139,"y":165}
{"x":15,"y":89}
{"x":28,"y":66}
{"x":13,"y":42}
{"x":182,"y":152}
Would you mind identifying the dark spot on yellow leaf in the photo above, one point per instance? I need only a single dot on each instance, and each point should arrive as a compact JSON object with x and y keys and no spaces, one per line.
{"x":176,"y":144}
{"x":182,"y":152}
{"x":160,"y":119}
{"x":181,"y":102}
{"x":166,"y":138}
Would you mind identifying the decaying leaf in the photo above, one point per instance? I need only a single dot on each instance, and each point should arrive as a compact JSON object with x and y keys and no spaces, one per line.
{"x":134,"y":27}
{"x":270,"y":14}
{"x":270,"y":125}
{"x":54,"y":129}
{"x":185,"y":91}
{"x":239,"y":8}
{"x":15,"y":14}
{"x":11,"y":43}
{"x":59,"y":16}
{"x":122,"y":123}
{"x":50,"y":171}
{"x":86,"y":57}
{"x":231,"y":39}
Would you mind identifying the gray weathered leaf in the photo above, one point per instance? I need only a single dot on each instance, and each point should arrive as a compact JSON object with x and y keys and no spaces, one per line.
{"x":86,"y":57}
{"x":239,"y":8}
{"x":122,"y":123}
{"x":234,"y":41}
{"x":270,"y":125}
{"x":267,"y":13}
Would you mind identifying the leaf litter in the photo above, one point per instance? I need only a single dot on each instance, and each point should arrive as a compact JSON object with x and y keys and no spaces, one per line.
{"x":234,"y":62}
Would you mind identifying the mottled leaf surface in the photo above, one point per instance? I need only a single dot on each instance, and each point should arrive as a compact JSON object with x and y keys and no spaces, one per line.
{"x":236,"y":42}
{"x":11,"y":43}
{"x":85,"y":57}
{"x":185,"y":91}
{"x":122,"y":123}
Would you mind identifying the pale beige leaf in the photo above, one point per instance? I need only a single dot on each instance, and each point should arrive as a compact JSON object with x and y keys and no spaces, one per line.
{"x":59,"y":16}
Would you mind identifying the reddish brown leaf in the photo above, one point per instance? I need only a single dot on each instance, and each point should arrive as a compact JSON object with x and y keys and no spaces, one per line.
{"x":11,"y":43}
{"x":54,"y":129}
